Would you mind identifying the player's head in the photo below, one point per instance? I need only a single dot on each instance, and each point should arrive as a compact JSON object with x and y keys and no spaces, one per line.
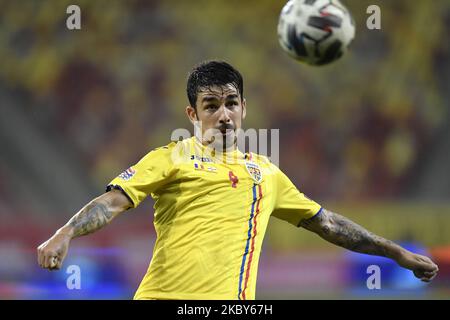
{"x":215,"y":93}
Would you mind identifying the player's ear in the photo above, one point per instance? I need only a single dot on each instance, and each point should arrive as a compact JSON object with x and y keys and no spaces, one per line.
{"x":191,"y":113}
{"x":244,"y":108}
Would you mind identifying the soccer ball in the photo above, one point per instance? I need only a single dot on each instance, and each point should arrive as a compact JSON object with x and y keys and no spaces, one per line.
{"x":316,"y":32}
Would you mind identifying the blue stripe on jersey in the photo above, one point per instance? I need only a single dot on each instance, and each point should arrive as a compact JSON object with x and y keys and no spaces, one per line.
{"x":248,"y":241}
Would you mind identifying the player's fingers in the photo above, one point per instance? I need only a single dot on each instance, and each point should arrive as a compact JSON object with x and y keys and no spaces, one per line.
{"x":431,"y":267}
{"x":428,"y":263}
{"x":54,"y":263}
{"x":419,"y":274}
{"x":58,"y":264}
{"x":430,"y":275}
{"x":41,"y":257}
{"x":46,"y":260}
{"x":427,"y":276}
{"x":427,"y":266}
{"x":50,"y":260}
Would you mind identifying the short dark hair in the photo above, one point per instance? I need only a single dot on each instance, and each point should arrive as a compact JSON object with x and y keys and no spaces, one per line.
{"x":212,"y":73}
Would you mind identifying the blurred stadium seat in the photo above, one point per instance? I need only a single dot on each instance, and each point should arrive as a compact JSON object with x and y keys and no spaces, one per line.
{"x":81,"y":106}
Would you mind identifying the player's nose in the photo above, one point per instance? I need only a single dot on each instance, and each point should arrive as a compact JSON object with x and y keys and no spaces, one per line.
{"x":224,"y":116}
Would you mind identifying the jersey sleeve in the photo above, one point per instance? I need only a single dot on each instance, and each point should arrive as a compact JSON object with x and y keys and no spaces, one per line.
{"x":150,"y":174}
{"x":290,"y":204}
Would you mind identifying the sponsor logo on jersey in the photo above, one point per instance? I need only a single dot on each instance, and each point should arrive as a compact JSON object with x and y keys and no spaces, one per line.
{"x":202,"y":159}
{"x":127,"y":174}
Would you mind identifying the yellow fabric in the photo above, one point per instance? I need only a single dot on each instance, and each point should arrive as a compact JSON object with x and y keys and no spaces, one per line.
{"x":210,"y":218}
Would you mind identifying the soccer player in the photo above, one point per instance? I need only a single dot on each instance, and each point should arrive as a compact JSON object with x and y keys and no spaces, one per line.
{"x":213,"y":204}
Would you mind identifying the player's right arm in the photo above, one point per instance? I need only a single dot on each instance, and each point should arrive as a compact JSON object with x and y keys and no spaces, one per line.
{"x":125,"y":191}
{"x":92,"y":217}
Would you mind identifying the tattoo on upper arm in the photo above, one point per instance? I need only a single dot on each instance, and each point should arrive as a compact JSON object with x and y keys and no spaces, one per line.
{"x":93,"y":217}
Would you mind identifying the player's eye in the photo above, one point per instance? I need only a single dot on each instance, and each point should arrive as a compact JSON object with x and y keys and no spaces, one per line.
{"x":210,"y":107}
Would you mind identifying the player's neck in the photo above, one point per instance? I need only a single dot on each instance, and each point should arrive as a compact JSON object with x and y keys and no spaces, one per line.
{"x":227,"y":155}
{"x":217,"y":148}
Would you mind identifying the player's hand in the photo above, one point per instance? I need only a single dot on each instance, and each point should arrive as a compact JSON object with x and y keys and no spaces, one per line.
{"x":52,"y":252}
{"x":422,"y":267}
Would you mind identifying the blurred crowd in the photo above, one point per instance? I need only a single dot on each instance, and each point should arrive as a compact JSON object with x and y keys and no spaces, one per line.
{"x":358,"y":129}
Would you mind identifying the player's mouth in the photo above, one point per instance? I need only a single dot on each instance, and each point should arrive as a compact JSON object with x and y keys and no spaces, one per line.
{"x":227,"y":132}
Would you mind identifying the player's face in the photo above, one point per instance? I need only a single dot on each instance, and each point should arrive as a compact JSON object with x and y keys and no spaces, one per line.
{"x":220,"y":111}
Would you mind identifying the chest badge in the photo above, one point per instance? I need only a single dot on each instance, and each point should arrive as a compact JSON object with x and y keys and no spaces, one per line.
{"x":254,"y":171}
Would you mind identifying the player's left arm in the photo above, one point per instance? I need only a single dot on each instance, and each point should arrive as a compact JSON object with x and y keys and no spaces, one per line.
{"x":345,"y":233}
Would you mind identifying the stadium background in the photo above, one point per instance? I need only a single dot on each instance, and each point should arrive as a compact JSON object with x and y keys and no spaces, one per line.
{"x":368,"y":137}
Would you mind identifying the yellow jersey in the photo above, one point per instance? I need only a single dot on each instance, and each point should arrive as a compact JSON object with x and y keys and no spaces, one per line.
{"x":211,"y":214}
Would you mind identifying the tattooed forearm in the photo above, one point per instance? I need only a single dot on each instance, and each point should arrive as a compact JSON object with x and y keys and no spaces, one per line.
{"x":352,"y":236}
{"x":345,"y":233}
{"x":91,"y":218}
